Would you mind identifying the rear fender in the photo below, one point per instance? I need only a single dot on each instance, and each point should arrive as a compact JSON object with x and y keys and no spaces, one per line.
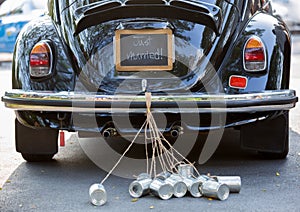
{"x":63,"y":78}
{"x":276,"y":39}
{"x":63,"y":75}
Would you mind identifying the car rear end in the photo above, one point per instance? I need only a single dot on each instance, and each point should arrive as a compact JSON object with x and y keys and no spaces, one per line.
{"x":207,"y":64}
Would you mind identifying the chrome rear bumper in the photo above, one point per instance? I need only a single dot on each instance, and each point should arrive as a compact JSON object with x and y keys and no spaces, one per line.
{"x":175,"y":103}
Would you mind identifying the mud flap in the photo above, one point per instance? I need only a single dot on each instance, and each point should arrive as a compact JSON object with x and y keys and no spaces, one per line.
{"x":35,"y":141}
{"x":270,"y":135}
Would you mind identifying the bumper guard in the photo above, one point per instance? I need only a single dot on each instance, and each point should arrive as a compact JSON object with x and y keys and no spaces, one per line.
{"x":175,"y":103}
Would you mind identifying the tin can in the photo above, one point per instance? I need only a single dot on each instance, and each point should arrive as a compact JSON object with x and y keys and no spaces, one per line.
{"x":233,"y":182}
{"x":179,"y":186}
{"x":163,"y":175}
{"x":98,"y":194}
{"x":205,"y":177}
{"x":202,"y":179}
{"x":193,"y":185}
{"x":185,"y":170}
{"x":161,"y":189}
{"x":214,"y":189}
{"x":143,"y":176}
{"x":140,"y":187}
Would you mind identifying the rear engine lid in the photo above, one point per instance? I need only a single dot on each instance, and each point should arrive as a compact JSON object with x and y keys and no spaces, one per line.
{"x":171,"y":45}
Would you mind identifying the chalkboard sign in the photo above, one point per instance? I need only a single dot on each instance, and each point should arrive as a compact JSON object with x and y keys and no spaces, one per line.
{"x":144,"y":50}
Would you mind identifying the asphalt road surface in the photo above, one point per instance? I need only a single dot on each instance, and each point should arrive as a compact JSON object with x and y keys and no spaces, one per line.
{"x":62,"y":185}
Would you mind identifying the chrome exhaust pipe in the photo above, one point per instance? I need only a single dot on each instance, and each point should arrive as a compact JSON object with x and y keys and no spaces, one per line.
{"x":109,"y":132}
{"x":176,"y":131}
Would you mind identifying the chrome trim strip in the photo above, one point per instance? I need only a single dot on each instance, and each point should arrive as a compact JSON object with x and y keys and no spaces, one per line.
{"x":183,"y":97}
{"x":155,"y":110}
{"x":244,"y":10}
{"x":85,"y":102}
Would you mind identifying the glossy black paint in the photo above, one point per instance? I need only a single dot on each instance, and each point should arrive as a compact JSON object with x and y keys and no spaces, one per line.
{"x":81,"y":63}
{"x":63,"y":77}
{"x":277,"y":41}
{"x":88,"y":47}
{"x":201,"y":13}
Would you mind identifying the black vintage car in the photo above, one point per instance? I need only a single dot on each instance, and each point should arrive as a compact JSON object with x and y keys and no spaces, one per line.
{"x":208,"y":64}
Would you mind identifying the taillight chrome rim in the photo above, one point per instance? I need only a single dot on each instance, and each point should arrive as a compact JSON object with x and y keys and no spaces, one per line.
{"x":254,"y":56}
{"x":41,"y":60}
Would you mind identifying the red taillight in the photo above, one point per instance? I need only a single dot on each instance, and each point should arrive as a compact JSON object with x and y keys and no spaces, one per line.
{"x":239,"y":82}
{"x":254,"y":55}
{"x":40,"y":60}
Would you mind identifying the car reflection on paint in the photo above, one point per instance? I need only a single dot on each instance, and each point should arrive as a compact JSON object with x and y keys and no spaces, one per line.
{"x":13,"y":16}
{"x":86,"y":67}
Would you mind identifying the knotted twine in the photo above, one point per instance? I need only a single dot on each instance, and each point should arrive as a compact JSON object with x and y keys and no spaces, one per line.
{"x":152,"y":134}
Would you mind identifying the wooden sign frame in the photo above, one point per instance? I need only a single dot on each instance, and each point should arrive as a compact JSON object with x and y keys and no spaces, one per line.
{"x":167,"y":67}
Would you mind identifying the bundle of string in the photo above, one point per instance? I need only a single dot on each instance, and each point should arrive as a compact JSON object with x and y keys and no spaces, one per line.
{"x":168,"y":156}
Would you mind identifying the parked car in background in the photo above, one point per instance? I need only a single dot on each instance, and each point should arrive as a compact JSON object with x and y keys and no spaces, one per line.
{"x":13,"y":16}
{"x":87,"y":64}
{"x":288,"y":10}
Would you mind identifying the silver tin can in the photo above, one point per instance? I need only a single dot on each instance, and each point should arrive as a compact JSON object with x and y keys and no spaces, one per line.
{"x":193,"y":186}
{"x":161,"y":189}
{"x":140,"y":187}
{"x":233,"y":182}
{"x":206,"y":177}
{"x":163,"y":175}
{"x":185,"y":170}
{"x":98,"y":194}
{"x":202,"y":179}
{"x":143,"y":176}
{"x":214,"y":189}
{"x":179,"y":186}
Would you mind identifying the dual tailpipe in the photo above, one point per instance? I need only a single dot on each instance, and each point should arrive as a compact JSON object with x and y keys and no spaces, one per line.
{"x":167,"y":185}
{"x":111,"y":132}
